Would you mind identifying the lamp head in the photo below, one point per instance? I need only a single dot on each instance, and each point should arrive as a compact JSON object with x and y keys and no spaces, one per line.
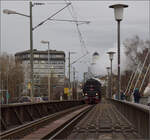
{"x":108,"y":68}
{"x":72,"y":52}
{"x":44,"y":42}
{"x":52,"y":67}
{"x":6,"y":11}
{"x":111,"y":54}
{"x":38,"y":3}
{"x":87,"y":22}
{"x":118,"y":10}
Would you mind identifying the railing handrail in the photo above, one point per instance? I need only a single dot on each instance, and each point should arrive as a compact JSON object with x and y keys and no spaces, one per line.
{"x":141,"y":107}
{"x":32,"y":103}
{"x":137,"y":114}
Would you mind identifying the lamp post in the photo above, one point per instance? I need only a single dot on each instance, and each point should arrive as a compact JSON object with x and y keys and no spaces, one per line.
{"x":118,"y":11}
{"x":47,"y":42}
{"x":69,"y":65}
{"x":51,"y":81}
{"x":75,"y":93}
{"x":31,"y":51}
{"x":111,"y":54}
{"x":74,"y":84}
{"x":108,"y":85}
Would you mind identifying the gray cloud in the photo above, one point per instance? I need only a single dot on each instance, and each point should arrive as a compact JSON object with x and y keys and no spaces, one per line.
{"x":99,"y":35}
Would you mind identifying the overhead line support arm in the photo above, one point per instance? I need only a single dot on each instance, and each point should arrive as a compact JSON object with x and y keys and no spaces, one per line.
{"x":51,"y":16}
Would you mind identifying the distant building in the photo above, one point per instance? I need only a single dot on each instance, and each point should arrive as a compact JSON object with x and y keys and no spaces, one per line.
{"x":41,"y":66}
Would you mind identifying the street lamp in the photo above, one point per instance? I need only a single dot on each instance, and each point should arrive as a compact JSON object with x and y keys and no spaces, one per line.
{"x":108,"y":85}
{"x":6,"y":11}
{"x":47,"y":42}
{"x":118,"y":11}
{"x":111,"y":54}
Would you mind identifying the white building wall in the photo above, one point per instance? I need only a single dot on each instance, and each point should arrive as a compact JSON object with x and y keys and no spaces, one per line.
{"x":41,"y":67}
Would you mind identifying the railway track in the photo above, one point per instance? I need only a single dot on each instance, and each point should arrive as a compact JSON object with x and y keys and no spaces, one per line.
{"x":103,"y":122}
{"x":22,"y":130}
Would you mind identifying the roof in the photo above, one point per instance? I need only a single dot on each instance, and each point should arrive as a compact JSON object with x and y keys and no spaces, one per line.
{"x":96,"y":53}
{"x":35,"y":51}
{"x":118,"y":6}
{"x":94,"y":79}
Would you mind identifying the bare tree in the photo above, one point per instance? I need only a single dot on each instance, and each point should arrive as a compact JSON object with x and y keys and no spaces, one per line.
{"x":12,"y":75}
{"x":137,"y":51}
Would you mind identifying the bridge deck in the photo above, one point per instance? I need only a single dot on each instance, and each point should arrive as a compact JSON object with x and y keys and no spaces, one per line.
{"x":104,"y":121}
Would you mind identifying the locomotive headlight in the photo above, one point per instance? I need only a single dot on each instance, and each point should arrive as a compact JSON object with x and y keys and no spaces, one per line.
{"x":96,"y":94}
{"x":85,"y":94}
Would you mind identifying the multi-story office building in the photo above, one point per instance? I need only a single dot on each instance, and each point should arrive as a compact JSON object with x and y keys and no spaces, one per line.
{"x":41,"y":67}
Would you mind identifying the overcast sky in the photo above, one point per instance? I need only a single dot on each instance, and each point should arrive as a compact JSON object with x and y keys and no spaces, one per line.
{"x":100,"y":35}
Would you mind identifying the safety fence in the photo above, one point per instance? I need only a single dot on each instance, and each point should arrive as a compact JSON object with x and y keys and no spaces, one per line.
{"x":137,"y":114}
{"x":18,"y":114}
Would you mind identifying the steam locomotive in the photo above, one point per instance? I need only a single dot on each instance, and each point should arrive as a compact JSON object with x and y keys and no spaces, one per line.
{"x":92,"y":91}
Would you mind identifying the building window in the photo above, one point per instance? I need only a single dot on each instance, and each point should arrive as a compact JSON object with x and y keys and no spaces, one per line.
{"x":28,"y":55}
{"x":52,"y":56}
{"x":43,"y":56}
{"x":59,"y":56}
{"x":60,"y":62}
{"x":36,"y":55}
{"x":24,"y":56}
{"x":26,"y":62}
{"x":53,"y":62}
{"x":36,"y":61}
{"x":42,"y":62}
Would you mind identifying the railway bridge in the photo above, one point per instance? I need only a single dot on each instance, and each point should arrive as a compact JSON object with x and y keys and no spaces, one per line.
{"x":109,"y":120}
{"x":38,"y":73}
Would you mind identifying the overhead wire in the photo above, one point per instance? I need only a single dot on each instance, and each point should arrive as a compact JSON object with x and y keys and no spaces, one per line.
{"x":82,"y":42}
{"x":74,"y":16}
{"x":44,"y":21}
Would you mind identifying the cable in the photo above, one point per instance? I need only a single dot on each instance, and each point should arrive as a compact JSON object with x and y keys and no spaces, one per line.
{"x":144,"y":78}
{"x":142,"y":69}
{"x":78,"y":59}
{"x":68,"y":20}
{"x":134,"y":77}
{"x":130,"y":81}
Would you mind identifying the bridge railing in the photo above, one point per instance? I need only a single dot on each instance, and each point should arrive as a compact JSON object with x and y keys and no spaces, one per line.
{"x":17,"y":114}
{"x":137,"y":114}
{"x":144,"y":100}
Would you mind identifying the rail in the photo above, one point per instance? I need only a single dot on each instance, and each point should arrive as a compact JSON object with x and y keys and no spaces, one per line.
{"x":137,"y":114}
